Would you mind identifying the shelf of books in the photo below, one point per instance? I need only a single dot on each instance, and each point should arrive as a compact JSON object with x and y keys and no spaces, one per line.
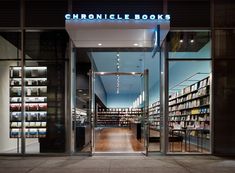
{"x":119,"y":117}
{"x":35,"y":102}
{"x":154,"y":116}
{"x":190,"y":108}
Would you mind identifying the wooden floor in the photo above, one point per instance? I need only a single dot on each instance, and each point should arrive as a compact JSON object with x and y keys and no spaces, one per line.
{"x":116,"y":140}
{"x":122,"y":140}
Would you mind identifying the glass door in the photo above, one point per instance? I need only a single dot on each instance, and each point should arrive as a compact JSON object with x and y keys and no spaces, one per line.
{"x":82,"y":117}
{"x":145,"y":113}
{"x":91,"y":111}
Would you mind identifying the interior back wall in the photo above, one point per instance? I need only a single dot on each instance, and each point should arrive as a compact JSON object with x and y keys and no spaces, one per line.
{"x":120,"y":100}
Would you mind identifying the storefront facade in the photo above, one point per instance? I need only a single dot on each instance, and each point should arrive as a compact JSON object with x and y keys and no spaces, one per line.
{"x":36,"y":49}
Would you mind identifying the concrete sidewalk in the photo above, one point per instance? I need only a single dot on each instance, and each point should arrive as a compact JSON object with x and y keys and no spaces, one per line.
{"x":117,"y":164}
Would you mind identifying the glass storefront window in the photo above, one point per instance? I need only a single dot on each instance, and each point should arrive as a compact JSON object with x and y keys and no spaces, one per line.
{"x":10,"y":93}
{"x":189,"y":117}
{"x":45,"y":91}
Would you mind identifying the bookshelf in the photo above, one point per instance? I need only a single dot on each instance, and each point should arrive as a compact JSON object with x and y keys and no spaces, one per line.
{"x":117,"y":117}
{"x":35,"y":93}
{"x":154,"y":116}
{"x":188,"y":109}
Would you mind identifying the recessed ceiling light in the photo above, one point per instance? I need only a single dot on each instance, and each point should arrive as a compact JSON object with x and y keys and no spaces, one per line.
{"x":80,"y":90}
{"x":135,"y":44}
{"x":133,"y":73}
{"x":181,"y":41}
{"x":102,"y":73}
{"x":118,"y":59}
{"x":84,"y":94}
{"x":192,"y":41}
{"x":99,"y":44}
{"x":118,"y":54}
{"x":118,"y":66}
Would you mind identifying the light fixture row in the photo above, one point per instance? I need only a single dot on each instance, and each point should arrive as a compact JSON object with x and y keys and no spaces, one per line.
{"x":118,"y":77}
{"x":182,"y":39}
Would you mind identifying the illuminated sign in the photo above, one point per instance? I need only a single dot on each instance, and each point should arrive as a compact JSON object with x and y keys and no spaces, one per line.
{"x":165,"y":17}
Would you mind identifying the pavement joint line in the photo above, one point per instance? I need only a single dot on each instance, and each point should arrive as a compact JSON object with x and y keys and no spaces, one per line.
{"x":183,"y":166}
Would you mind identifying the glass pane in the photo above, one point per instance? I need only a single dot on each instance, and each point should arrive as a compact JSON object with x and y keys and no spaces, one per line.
{"x":190,"y":13}
{"x":10,"y":93}
{"x":45,"y":91}
{"x":82,"y":115}
{"x":189,"y":106}
{"x":189,"y":45}
{"x":153,"y":64}
{"x":10,"y":13}
{"x":45,"y":13}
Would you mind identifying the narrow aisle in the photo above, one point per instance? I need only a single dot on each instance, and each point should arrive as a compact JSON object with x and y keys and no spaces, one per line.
{"x":116,"y":140}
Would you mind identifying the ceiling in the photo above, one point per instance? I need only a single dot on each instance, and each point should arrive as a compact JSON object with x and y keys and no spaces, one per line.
{"x":129,"y":62}
{"x":112,"y":33}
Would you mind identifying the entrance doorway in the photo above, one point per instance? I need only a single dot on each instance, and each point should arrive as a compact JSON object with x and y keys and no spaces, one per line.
{"x":121,"y":127}
{"x":123,"y":56}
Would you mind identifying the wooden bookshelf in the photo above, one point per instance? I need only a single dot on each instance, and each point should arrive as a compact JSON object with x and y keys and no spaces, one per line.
{"x":118,"y":117}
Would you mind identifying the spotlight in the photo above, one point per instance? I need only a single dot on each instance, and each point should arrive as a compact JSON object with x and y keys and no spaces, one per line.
{"x":181,"y":38}
{"x":192,"y":39}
